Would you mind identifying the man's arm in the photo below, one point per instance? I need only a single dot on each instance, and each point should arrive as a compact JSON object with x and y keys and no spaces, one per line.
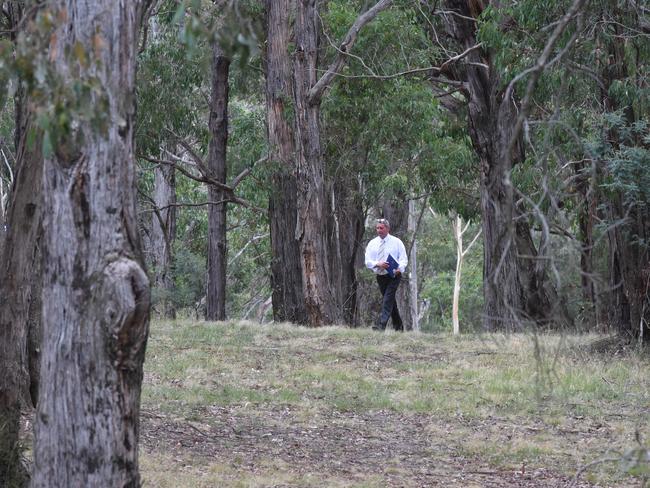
{"x":403,"y":259}
{"x":369,"y":258}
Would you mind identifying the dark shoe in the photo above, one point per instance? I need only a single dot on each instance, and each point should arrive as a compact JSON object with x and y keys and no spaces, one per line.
{"x":378,"y":327}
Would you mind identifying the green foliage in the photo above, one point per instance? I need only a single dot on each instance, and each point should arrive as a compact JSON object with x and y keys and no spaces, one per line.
{"x":236,"y":26}
{"x":59,"y":106}
{"x":172,"y":90}
{"x":189,"y":278}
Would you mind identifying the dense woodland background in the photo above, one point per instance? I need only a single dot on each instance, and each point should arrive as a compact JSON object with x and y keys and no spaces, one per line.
{"x":267,"y":137}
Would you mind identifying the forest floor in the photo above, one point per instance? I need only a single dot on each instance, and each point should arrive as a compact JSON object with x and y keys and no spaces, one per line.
{"x":244,"y":405}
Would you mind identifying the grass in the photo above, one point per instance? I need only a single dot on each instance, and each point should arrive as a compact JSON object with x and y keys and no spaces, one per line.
{"x":500,"y":401}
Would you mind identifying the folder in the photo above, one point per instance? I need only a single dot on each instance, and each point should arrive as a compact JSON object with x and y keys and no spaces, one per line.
{"x":392,"y":266}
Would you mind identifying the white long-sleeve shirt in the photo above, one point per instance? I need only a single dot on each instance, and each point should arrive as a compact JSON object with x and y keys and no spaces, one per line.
{"x":393,"y":246}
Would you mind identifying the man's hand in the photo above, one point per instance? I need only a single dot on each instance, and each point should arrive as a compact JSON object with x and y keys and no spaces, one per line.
{"x":397,"y":271}
{"x":382,"y":265}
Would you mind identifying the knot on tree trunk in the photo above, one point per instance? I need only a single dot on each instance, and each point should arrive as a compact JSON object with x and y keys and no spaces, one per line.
{"x":126,"y":294}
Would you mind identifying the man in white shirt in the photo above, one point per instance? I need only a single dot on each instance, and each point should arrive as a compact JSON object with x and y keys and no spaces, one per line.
{"x":377,"y":253}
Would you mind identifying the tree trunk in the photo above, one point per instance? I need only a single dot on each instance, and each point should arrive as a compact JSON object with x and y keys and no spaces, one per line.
{"x":345,"y":233}
{"x":286,"y":274}
{"x":585,"y":186}
{"x":163,"y":234}
{"x":458,"y":235}
{"x":217,"y":245}
{"x":629,"y":221}
{"x":20,"y":289}
{"x":515,"y":287}
{"x":20,"y":314}
{"x":95,"y":321}
{"x":320,"y":299}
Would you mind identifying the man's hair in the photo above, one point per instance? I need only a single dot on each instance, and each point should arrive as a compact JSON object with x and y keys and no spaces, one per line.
{"x":384,"y":222}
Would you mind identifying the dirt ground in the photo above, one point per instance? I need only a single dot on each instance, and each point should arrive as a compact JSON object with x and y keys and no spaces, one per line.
{"x":392,"y":449}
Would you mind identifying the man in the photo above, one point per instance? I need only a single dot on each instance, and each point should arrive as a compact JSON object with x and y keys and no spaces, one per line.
{"x":377,"y":260}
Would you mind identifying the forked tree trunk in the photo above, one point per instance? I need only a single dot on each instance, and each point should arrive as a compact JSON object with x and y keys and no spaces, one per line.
{"x":286,"y":274}
{"x":96,"y":316}
{"x":516,"y":288}
{"x":460,"y":257}
{"x":217,"y":244}
{"x":294,"y":96}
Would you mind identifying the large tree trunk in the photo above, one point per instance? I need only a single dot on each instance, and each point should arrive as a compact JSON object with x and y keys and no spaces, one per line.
{"x":320,"y":298}
{"x":217,"y":246}
{"x":96,"y":316}
{"x":20,"y":288}
{"x":286,"y":274}
{"x":20,"y":311}
{"x":516,"y":288}
{"x":163,"y":234}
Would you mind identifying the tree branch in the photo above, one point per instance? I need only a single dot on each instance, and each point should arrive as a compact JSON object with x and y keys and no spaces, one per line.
{"x":316,"y":93}
{"x":540,"y":66}
{"x":238,"y":179}
{"x":204,"y":178}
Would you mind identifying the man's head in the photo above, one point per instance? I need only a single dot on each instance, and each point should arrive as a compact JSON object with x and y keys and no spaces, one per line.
{"x":382,"y":227}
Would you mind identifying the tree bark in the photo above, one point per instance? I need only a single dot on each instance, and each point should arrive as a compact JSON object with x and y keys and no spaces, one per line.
{"x":96,"y":317}
{"x":286,"y":274}
{"x":163,"y":234}
{"x":20,"y":289}
{"x":345,"y":227}
{"x":320,"y":301}
{"x":516,"y":288}
{"x":217,"y":244}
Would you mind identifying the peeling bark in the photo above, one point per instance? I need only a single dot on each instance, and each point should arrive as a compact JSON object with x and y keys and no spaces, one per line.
{"x":96,"y":315}
{"x":286,"y":274}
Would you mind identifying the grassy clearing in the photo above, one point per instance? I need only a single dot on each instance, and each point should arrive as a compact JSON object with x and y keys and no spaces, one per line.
{"x":510,"y":403}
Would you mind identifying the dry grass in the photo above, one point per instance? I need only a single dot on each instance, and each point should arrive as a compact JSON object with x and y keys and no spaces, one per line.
{"x":243,"y":405}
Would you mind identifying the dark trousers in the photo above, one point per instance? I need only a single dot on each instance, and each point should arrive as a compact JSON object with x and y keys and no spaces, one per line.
{"x":388,"y":287}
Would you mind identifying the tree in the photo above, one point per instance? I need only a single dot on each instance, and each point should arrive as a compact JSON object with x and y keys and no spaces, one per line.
{"x":20,"y":276}
{"x":517,"y":289}
{"x":163,"y":235}
{"x":322,"y":305}
{"x":217,"y":247}
{"x":95,"y":321}
{"x":459,"y":230}
{"x":286,"y":275}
